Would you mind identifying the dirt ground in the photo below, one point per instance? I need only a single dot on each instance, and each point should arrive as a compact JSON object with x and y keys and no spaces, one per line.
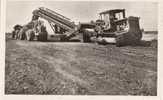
{"x":69,"y":68}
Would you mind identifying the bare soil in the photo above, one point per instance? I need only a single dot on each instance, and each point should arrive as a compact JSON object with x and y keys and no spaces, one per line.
{"x":74,"y":68}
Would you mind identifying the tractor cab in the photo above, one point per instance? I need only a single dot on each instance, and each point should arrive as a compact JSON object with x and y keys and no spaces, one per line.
{"x":112,"y":20}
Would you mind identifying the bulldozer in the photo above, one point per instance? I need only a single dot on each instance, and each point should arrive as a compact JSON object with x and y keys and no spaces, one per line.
{"x":115,"y":24}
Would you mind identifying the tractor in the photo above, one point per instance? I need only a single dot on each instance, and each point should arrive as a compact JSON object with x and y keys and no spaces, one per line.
{"x":35,"y":29}
{"x":115,"y":24}
{"x":63,"y":28}
{"x":16,"y":30}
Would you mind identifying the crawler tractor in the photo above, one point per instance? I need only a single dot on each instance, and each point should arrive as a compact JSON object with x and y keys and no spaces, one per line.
{"x":115,"y":24}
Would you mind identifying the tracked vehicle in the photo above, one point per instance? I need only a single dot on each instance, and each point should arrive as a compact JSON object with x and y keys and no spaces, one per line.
{"x":115,"y":24}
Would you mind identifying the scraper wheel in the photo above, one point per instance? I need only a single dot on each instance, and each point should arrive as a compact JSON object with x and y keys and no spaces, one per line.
{"x":42,"y":36}
{"x":30,"y":35}
{"x":86,"y":37}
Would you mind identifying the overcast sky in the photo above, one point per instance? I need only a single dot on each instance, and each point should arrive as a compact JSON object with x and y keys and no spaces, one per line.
{"x":20,"y":12}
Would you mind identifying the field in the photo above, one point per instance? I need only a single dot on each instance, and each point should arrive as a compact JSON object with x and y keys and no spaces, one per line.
{"x":74,"y":68}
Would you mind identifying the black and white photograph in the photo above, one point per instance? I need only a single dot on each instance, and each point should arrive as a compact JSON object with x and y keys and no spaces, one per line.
{"x":99,"y":48}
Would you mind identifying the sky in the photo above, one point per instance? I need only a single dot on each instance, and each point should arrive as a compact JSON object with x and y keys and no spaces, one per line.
{"x":20,"y":12}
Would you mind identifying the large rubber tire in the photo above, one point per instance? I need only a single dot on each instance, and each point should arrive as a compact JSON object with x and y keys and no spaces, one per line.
{"x":22,"y":33}
{"x":86,"y":37}
{"x":42,"y":36}
{"x":63,"y":39}
{"x":13,"y":34}
{"x":22,"y":36}
{"x":30,"y":35}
